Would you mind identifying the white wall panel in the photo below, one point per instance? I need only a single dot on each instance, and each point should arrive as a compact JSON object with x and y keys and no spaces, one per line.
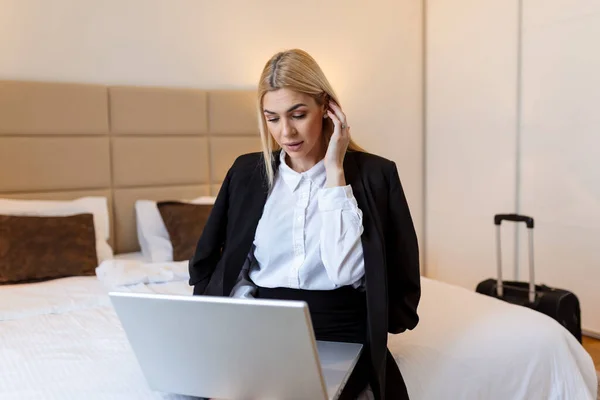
{"x":561,"y":145}
{"x":471,"y":135}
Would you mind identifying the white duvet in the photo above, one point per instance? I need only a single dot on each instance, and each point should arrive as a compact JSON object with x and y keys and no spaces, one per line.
{"x":62,"y":340}
{"x":469,"y":346}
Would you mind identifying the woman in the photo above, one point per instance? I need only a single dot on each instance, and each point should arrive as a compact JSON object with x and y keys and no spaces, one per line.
{"x":315,"y":218}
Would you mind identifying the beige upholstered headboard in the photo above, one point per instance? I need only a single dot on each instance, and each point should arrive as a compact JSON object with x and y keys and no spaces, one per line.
{"x":63,"y":141}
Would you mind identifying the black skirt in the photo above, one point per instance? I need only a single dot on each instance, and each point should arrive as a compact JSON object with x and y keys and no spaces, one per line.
{"x":338,"y":315}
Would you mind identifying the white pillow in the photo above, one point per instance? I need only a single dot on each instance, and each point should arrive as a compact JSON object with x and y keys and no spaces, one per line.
{"x":152,"y":233}
{"x":96,"y":205}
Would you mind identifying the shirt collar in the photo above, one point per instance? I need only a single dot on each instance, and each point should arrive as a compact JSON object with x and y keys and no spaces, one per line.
{"x":316,"y":174}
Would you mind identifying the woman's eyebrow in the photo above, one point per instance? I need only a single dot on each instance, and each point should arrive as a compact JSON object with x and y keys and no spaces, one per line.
{"x":292,"y":108}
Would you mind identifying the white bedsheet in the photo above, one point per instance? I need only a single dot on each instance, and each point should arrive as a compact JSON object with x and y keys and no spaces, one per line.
{"x":127,"y":272}
{"x":66,"y":342}
{"x":466,"y":346}
{"x":469,"y":346}
{"x":82,"y":354}
{"x":119,"y":273}
{"x":52,"y":297}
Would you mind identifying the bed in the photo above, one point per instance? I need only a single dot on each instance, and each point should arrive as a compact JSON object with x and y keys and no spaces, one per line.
{"x":68,"y":344}
{"x":60,"y":338}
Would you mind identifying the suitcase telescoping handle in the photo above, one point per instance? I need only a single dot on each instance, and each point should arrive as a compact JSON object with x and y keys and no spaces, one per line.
{"x":498,"y":218}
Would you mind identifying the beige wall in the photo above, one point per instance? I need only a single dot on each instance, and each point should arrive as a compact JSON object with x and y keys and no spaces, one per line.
{"x":512,"y":125}
{"x":371,"y":53}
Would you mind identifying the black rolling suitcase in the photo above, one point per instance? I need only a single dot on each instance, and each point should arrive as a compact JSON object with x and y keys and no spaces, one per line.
{"x":559,"y":304}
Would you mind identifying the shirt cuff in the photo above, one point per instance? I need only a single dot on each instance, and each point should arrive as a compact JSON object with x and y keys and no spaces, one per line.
{"x":337,"y":198}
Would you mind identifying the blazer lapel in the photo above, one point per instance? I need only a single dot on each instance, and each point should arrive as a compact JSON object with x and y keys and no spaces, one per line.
{"x":372,"y":238}
{"x":373,"y":252}
{"x":253,"y":203}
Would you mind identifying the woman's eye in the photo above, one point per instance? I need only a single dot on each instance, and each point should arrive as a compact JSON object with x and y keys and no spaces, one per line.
{"x":300,"y":116}
{"x":273,"y":119}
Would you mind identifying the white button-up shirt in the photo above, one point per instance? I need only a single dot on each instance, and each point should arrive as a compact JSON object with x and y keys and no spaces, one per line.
{"x":309,"y":236}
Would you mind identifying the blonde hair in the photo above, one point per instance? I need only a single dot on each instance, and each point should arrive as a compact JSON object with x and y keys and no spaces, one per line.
{"x":293,"y":69}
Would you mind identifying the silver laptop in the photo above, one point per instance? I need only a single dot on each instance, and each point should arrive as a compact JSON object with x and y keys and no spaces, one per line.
{"x":228,"y":348}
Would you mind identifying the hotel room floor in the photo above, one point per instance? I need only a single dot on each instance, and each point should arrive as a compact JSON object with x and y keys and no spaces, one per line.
{"x":593,"y":347}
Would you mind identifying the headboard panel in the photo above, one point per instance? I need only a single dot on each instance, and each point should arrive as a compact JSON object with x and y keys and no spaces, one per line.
{"x":220,"y":106}
{"x":47,"y":108}
{"x":64,"y":140}
{"x":158,"y":111}
{"x":54,"y":163}
{"x":161,"y":160}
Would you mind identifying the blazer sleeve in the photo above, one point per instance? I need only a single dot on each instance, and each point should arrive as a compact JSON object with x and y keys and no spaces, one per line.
{"x":403,"y":270}
{"x":210,"y":245}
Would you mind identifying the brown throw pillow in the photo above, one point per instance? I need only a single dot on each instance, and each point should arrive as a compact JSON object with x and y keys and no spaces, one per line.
{"x":36,"y":248}
{"x":185,"y":223}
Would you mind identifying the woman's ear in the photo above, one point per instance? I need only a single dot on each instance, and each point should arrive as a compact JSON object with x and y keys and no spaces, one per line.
{"x":323,"y":102}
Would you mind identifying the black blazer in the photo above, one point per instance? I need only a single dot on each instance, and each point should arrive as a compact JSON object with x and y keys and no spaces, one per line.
{"x":389,"y":242}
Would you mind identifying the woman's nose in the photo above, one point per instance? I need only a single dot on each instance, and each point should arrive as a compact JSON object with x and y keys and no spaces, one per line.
{"x":288,"y":129}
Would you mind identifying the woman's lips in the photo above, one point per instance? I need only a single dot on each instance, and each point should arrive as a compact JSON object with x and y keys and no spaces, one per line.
{"x":295,"y":146}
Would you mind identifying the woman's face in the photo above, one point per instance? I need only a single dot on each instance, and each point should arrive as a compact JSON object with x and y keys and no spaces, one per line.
{"x":295,"y":121}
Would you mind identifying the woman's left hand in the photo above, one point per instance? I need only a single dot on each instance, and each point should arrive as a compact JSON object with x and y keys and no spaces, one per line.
{"x":338,"y":144}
